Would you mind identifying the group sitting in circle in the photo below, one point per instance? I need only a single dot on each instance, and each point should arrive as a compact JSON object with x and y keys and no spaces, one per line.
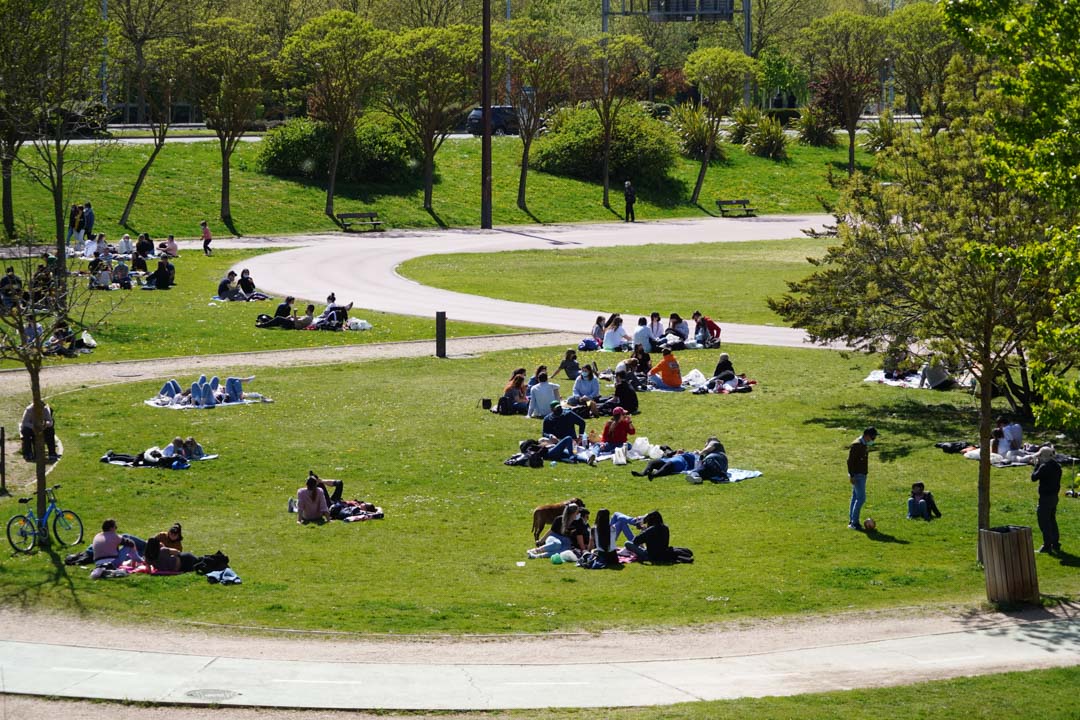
{"x":242,"y":289}
{"x":571,"y":538}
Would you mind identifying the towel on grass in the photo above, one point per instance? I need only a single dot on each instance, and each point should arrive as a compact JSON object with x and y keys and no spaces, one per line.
{"x":125,"y":463}
{"x":734,"y":475}
{"x":910,"y":380}
{"x":163,"y":402}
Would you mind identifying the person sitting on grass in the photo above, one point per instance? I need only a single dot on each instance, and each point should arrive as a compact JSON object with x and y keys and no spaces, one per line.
{"x":554,"y":541}
{"x":283,"y":316}
{"x":643,"y":335}
{"x":313,"y":501}
{"x":616,"y":338}
{"x":168,"y":248}
{"x":125,"y":246}
{"x":167,"y":559}
{"x":666,"y":375}
{"x":616,"y":430}
{"x":163,"y":277}
{"x":247,"y":287}
{"x":569,"y":365}
{"x":228,"y":289}
{"x":678,"y":330}
{"x":543,"y":395}
{"x":560,"y":423}
{"x":713,"y":462}
{"x":515,"y":393}
{"x":586,"y":387}
{"x":597,"y":332}
{"x":654,"y":542}
{"x":706,"y":331}
{"x":121,"y":275}
{"x":921,"y":504}
{"x":112,"y":547}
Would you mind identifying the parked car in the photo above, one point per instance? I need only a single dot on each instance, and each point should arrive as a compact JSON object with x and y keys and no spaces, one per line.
{"x":504,"y":121}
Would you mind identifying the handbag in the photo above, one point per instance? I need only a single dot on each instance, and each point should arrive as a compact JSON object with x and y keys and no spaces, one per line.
{"x":484,"y":403}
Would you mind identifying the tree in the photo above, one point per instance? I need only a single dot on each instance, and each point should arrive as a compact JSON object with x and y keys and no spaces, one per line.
{"x":843,"y":55}
{"x":141,"y":23}
{"x":920,"y":47}
{"x":63,"y":104}
{"x":430,"y":77}
{"x":162,"y":77}
{"x":228,"y":62}
{"x":539,"y":57}
{"x":1037,"y":148}
{"x":774,"y":23}
{"x":331,"y":58}
{"x":22,"y":54}
{"x":932,"y":259}
{"x":719,"y":75}
{"x":51,"y":305}
{"x":607,"y":74}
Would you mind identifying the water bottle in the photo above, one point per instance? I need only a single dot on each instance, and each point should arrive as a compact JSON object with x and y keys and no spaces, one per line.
{"x":554,"y":463}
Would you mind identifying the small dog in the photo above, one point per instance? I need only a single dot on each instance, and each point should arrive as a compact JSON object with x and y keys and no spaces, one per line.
{"x":545,"y":514}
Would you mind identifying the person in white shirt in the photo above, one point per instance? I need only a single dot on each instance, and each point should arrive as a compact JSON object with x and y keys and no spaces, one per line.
{"x":615,"y":338}
{"x":643,"y":336}
{"x":125,"y":247}
{"x":541,"y":395}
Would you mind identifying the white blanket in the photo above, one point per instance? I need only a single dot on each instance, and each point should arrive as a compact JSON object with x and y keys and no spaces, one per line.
{"x":163,"y":402}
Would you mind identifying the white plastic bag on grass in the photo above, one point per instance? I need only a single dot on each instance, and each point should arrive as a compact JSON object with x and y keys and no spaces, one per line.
{"x":695,"y":378}
{"x":641,"y":446}
{"x":620,"y":456}
{"x":358,"y":324}
{"x":656,"y":452}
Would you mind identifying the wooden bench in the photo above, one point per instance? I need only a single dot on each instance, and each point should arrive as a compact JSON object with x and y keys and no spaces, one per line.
{"x":370,"y":219}
{"x":743,"y":206}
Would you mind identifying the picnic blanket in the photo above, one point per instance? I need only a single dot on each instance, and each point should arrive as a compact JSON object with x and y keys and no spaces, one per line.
{"x":734,"y":475}
{"x":163,"y":402}
{"x":127,"y":463}
{"x":910,"y":380}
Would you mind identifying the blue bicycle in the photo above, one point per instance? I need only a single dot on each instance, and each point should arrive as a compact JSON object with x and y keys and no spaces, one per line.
{"x":23,"y":531}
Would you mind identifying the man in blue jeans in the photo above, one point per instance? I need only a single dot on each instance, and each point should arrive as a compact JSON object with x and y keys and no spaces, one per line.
{"x":857,"y":465}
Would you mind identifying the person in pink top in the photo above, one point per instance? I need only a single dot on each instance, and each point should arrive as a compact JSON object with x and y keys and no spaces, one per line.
{"x":206,"y":238}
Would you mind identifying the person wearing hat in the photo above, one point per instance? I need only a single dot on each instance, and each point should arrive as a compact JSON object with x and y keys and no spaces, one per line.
{"x":616,"y":430}
{"x":1047,"y":473}
{"x":541,"y":394}
{"x":857,"y":466}
{"x":172,"y":538}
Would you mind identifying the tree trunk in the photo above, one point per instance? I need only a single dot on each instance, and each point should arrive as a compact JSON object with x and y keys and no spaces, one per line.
{"x":39,"y":438}
{"x":226,"y":206}
{"x":139,"y":181}
{"x":851,"y":150}
{"x":986,"y":411}
{"x":429,"y":177}
{"x":523,"y":176}
{"x":701,"y":173}
{"x":331,"y":180}
{"x":9,"y":209}
{"x":607,"y":169}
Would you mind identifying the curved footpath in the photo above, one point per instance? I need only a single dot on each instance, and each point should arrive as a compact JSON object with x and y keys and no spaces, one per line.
{"x":362,"y":268}
{"x":86,"y":658}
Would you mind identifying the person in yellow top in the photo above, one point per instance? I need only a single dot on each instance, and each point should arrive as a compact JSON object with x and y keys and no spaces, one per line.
{"x":666,"y":375}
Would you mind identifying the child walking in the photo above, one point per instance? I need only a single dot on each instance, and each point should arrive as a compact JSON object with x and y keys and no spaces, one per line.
{"x":205,"y":238}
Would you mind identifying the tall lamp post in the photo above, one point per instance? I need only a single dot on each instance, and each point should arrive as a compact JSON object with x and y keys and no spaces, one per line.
{"x":485,"y":105}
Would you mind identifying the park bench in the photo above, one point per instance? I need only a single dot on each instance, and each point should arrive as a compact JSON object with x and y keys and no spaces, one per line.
{"x":743,"y":206}
{"x":370,"y":219}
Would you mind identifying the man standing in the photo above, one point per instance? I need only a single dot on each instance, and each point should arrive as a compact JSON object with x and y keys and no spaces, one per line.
{"x":88,"y":220}
{"x":1047,"y":473}
{"x":631,"y":197}
{"x":857,"y":466}
{"x":26,"y":428}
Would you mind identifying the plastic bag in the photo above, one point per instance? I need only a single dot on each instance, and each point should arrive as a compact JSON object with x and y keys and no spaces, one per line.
{"x":620,"y":456}
{"x":88,"y":341}
{"x":656,"y":452}
{"x":641,"y":446}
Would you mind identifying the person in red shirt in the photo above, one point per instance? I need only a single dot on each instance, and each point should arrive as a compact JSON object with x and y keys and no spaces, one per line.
{"x":666,"y":375}
{"x":706,"y":331}
{"x":616,"y":430}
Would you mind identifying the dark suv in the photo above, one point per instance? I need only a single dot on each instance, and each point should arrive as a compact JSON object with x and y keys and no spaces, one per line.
{"x":504,"y":121}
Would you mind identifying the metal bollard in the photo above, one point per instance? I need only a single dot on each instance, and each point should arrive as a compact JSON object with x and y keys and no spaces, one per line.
{"x":440,"y":334}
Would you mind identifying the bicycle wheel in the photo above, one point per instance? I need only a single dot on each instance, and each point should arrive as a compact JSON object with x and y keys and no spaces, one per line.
{"x":67,"y":528}
{"x":21,"y":534}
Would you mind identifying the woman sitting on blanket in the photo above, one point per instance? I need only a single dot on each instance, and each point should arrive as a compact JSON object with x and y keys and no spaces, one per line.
{"x":672,"y":463}
{"x":193,"y":450}
{"x":597,"y":331}
{"x":678,"y":330}
{"x":616,"y":430}
{"x":555,"y":541}
{"x":616,"y":338}
{"x":247,"y":287}
{"x":313,"y":501}
{"x":335,"y":313}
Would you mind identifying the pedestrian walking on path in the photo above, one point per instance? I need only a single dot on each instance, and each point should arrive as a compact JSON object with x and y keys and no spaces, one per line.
{"x":858,"y":461}
{"x":1047,"y":473}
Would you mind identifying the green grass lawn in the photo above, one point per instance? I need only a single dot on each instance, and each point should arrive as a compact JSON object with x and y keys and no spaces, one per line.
{"x":727,"y":281}
{"x":1043,"y":694}
{"x":407,"y":435}
{"x":183,"y":187}
{"x":185,"y":321}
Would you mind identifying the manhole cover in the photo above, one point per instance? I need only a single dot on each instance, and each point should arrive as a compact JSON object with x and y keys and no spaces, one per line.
{"x":211,"y":694}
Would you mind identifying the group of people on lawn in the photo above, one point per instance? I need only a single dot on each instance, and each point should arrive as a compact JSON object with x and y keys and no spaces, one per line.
{"x":596,"y":546}
{"x":652,"y":335}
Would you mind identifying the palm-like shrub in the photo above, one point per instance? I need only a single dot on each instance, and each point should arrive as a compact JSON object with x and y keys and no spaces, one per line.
{"x":768,"y":140}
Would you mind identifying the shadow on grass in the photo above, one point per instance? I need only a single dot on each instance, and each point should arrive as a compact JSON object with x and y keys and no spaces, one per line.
{"x":231,"y":225}
{"x":705,"y":210}
{"x":28,"y":596}
{"x":881,"y":537}
{"x":435,"y":216}
{"x":930,"y":422}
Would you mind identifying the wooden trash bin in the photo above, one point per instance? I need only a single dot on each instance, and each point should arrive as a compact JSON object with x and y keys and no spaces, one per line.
{"x":1008,"y":557}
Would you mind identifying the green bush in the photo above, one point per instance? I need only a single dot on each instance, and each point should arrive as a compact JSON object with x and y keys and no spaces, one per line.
{"x":881,"y":134}
{"x":768,"y":140}
{"x":743,"y":122}
{"x":643,"y":149}
{"x":377,"y":150}
{"x":816,"y":127}
{"x":691,"y":125}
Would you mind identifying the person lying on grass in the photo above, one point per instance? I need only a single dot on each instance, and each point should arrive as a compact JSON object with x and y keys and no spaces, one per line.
{"x":673,"y":462}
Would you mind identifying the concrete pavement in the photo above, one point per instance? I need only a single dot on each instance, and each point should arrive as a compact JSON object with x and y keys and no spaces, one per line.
{"x":86,"y":671}
{"x":361,"y":268}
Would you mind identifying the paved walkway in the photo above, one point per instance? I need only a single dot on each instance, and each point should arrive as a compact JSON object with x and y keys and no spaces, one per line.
{"x":83,"y":670}
{"x":362,"y":268}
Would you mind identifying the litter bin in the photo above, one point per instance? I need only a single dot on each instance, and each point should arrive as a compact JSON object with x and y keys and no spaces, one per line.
{"x":1009,"y":561}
